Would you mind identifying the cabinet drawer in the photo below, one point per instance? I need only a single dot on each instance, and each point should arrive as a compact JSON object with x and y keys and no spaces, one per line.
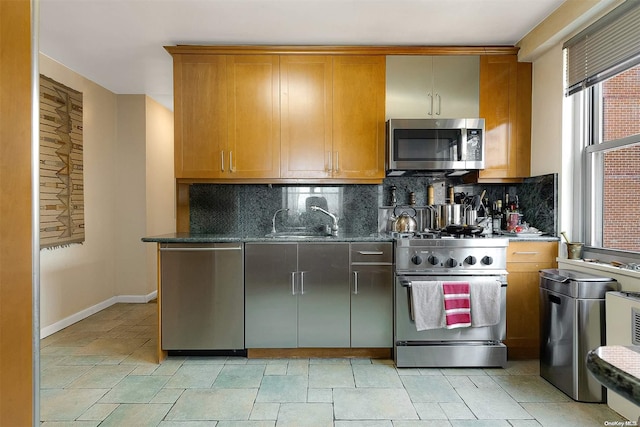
{"x":532,"y":251}
{"x":381,"y":252}
{"x":528,"y":267}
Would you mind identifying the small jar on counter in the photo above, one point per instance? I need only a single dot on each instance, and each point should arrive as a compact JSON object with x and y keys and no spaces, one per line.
{"x":430,"y":195}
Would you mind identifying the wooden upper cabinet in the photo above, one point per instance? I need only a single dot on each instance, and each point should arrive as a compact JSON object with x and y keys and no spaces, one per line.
{"x":268,"y":117}
{"x":358,"y":117}
{"x":421,"y":86}
{"x":253,"y":96}
{"x":306,"y":108}
{"x":227,"y":116}
{"x":200,"y":106}
{"x":332,"y":117}
{"x":505,"y":104}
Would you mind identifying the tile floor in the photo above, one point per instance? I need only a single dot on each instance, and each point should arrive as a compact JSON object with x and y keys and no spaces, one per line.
{"x":101,"y":371}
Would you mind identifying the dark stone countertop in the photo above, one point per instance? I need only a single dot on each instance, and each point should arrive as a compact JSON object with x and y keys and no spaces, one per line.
{"x":221,"y":238}
{"x":531,"y":238}
{"x":617,"y":368}
{"x":374,"y":237}
{"x":524,"y":237}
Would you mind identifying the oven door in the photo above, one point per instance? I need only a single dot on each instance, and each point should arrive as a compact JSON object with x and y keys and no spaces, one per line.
{"x":405,"y":327}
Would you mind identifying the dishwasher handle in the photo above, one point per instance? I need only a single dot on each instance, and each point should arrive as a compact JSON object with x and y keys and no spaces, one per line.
{"x":184,"y":249}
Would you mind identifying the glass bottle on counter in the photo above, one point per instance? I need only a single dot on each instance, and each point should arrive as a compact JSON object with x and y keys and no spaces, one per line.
{"x":513,"y":215}
{"x":497,"y":216}
{"x":504,"y":225}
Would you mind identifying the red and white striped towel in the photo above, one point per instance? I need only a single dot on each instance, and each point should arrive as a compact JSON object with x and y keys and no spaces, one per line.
{"x":457,"y":304}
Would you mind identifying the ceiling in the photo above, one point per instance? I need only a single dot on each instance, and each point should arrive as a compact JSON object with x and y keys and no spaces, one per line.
{"x":119,"y":43}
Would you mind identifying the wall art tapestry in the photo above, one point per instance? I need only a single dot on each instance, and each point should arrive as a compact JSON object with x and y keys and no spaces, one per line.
{"x":61,"y":169}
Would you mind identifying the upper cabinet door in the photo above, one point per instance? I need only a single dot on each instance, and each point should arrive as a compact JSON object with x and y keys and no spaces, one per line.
{"x":409,"y":87}
{"x":306,"y":107}
{"x":498,"y":78}
{"x":505,"y":104}
{"x":200,"y":106}
{"x":358,"y":117}
{"x":421,"y":87}
{"x":254,"y":116}
{"x":456,"y":86}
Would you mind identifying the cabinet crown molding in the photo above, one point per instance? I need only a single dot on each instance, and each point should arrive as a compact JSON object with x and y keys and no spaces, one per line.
{"x":339,"y":50}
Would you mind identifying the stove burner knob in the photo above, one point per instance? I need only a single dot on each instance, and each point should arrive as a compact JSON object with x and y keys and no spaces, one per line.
{"x":471,"y":260}
{"x":416,"y":259}
{"x":487,"y":260}
{"x":451,"y":263}
{"x":433,"y":260}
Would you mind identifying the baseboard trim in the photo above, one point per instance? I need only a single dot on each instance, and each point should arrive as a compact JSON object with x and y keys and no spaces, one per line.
{"x":308,"y":352}
{"x":74,"y":318}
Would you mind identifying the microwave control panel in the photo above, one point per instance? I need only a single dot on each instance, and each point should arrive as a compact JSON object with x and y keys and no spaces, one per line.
{"x":474,"y":145}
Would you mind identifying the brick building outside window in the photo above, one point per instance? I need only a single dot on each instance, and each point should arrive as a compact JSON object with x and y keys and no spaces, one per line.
{"x":621,"y":181}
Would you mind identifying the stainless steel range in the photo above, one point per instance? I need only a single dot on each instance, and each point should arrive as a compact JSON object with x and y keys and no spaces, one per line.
{"x":431,"y":257}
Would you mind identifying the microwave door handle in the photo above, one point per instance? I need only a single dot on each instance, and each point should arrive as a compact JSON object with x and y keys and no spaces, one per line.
{"x":463,"y":149}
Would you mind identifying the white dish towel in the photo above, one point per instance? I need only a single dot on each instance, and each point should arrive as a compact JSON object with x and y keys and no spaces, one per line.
{"x":427,"y":305}
{"x":485,"y":302}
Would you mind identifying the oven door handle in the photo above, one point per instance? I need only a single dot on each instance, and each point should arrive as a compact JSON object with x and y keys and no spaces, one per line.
{"x":407,"y":283}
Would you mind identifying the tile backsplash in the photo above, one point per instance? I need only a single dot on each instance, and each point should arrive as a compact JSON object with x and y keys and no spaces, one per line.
{"x":247,"y":210}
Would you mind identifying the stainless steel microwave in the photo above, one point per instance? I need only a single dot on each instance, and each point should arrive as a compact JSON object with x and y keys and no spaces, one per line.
{"x":434,"y":145}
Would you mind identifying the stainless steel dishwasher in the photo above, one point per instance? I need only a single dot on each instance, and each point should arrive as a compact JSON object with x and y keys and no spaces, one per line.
{"x":202,"y":296}
{"x":572,"y":322}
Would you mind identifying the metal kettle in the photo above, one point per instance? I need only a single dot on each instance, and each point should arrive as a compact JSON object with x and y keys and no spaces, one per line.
{"x":404,"y":223}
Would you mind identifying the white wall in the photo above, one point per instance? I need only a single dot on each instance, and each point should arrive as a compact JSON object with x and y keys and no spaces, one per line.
{"x":546,"y":118}
{"x":112,"y":264}
{"x":160,"y":185}
{"x":78,"y":277}
{"x":551,"y":147}
{"x":130,"y":204}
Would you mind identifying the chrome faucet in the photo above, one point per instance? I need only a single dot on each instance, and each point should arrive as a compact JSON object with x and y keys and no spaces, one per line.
{"x":334,"y":226}
{"x":273,"y":220}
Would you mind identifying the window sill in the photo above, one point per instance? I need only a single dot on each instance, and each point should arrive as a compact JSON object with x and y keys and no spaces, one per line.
{"x":601,"y":266}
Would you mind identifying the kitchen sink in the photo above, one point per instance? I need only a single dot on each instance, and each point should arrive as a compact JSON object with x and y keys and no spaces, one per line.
{"x":297,"y":235}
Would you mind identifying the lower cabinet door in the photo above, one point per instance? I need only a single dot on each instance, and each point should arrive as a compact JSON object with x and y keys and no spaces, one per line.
{"x":271,"y":302}
{"x":323,"y":297}
{"x":371,"y":306}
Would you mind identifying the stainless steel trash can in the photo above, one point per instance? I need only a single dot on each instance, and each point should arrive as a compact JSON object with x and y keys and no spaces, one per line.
{"x":572,"y":323}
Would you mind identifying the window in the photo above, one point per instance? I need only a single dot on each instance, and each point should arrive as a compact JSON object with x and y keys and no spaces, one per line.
{"x":603,"y":79}
{"x":612,"y":157}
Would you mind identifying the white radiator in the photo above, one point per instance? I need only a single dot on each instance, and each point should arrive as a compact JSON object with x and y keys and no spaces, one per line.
{"x":623,"y":328}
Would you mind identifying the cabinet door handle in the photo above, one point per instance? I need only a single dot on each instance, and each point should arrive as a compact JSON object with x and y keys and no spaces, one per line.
{"x":302,"y":283}
{"x":222,"y":158}
{"x":330,"y":161}
{"x":293,"y":283}
{"x":337,"y":162}
{"x":525,"y":253}
{"x":355,"y":283}
{"x":430,"y":113}
{"x":230,"y":161}
{"x":439,"y":103}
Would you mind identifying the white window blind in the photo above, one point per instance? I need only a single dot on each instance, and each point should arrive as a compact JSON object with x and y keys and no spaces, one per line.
{"x":604,"y":49}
